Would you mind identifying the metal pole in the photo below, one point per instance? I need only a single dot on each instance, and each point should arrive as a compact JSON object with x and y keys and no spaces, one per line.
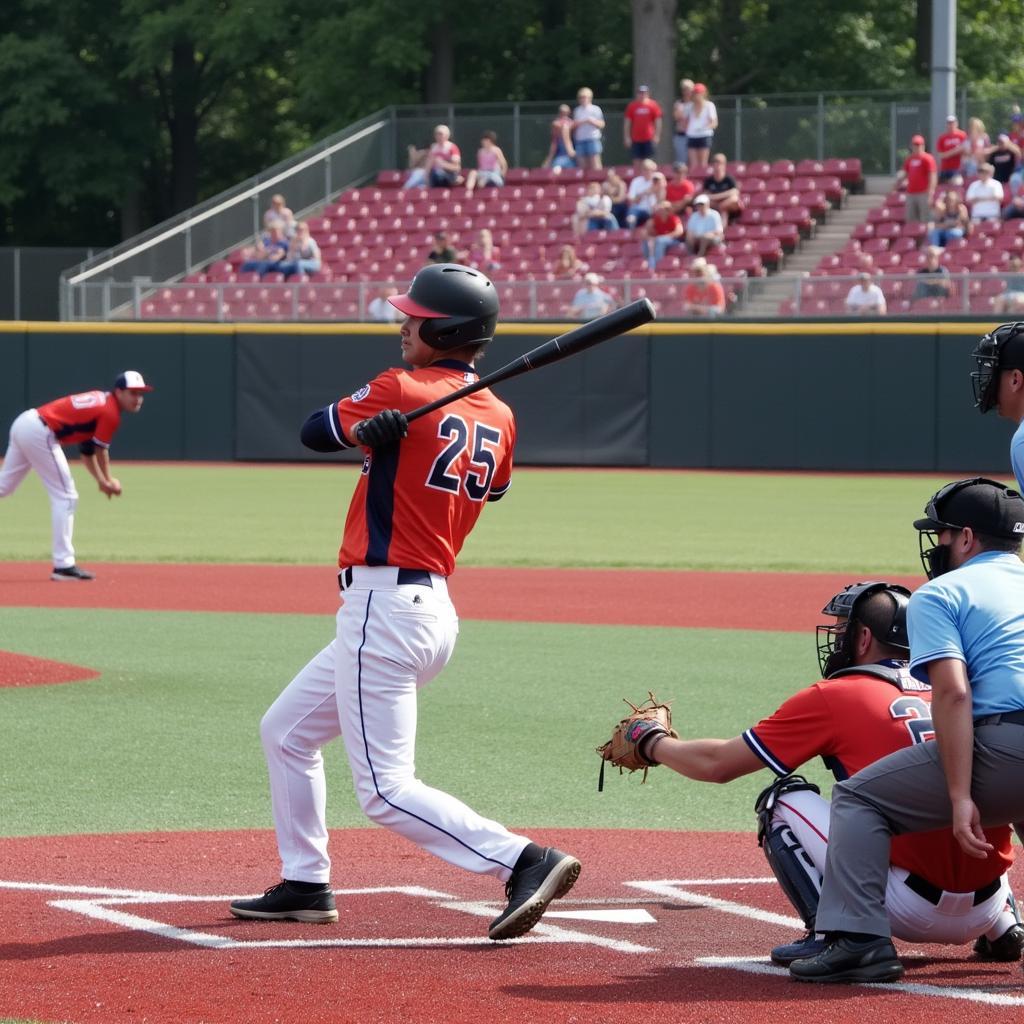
{"x":892,"y":138}
{"x":516,"y":156}
{"x":738,"y":140}
{"x":821,"y":126}
{"x":327,"y":177}
{"x":943,"y":64}
{"x":17,"y":283}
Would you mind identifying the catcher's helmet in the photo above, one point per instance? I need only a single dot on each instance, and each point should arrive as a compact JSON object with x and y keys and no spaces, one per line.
{"x":834,"y":650}
{"x":459,"y":305}
{"x":1001,"y":349}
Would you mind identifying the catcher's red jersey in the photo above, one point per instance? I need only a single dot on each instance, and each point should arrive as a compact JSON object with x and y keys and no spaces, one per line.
{"x":416,"y":501}
{"x":89,"y":416}
{"x":851,"y":722}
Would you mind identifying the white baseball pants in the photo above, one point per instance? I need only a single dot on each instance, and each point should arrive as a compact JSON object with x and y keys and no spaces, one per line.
{"x":955,"y":920}
{"x":391,"y":640}
{"x":33,"y":446}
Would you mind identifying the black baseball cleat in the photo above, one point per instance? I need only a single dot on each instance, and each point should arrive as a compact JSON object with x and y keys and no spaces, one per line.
{"x":283,"y":902}
{"x":1006,"y":949}
{"x":803,"y":948}
{"x":72,"y":572}
{"x":530,"y":890}
{"x":845,"y":959}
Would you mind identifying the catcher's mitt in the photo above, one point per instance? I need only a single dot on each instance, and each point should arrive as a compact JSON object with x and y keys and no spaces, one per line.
{"x":623,"y":749}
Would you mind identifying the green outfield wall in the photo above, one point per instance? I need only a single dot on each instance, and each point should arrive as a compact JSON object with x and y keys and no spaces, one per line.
{"x":847,"y":396}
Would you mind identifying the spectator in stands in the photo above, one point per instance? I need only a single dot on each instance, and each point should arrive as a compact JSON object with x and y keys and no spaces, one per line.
{"x":615,"y":189}
{"x":418,"y":160}
{"x":443,"y":160}
{"x":568,"y":266}
{"x":1004,"y":157}
{"x":1017,"y":138}
{"x":680,"y":190}
{"x":562,"y":152}
{"x":985,"y":196}
{"x":303,"y":256}
{"x":680,"y":118}
{"x":591,"y":300}
{"x":1015,"y":208}
{"x":703,"y":295}
{"x":641,"y":195}
{"x":491,"y":165}
{"x":866,"y":265}
{"x":723,"y":190}
{"x":588,"y":123}
{"x":1011,"y":299}
{"x":279,"y":214}
{"x":975,"y":144}
{"x":865,"y":298}
{"x":938,"y":284}
{"x":443,"y":251}
{"x":380,"y":309}
{"x":641,"y":127}
{"x":950,"y":219}
{"x":593,"y":212}
{"x":700,"y":128}
{"x":704,"y":228}
{"x":270,"y":251}
{"x":662,"y":232}
{"x":484,"y":255}
{"x":949,"y":148}
{"x":920,"y":176}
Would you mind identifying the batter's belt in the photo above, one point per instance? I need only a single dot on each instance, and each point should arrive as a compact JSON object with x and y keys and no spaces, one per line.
{"x":387,"y":575}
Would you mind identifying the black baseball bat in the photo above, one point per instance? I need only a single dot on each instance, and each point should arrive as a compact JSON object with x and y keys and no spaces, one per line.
{"x":611,"y":325}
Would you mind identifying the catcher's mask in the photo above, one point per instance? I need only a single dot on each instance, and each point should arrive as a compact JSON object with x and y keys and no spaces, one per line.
{"x":835,"y":640}
{"x":1001,"y":349}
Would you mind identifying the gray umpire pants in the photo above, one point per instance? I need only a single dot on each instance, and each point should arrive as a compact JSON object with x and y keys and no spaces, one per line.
{"x":906,"y":792}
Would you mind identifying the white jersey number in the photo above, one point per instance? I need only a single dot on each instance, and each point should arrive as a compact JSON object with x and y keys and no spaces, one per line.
{"x":479,"y":472}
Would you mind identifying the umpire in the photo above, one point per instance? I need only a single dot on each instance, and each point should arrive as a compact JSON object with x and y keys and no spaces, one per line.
{"x":966,"y":629}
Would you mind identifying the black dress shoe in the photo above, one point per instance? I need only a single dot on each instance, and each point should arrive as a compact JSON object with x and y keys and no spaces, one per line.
{"x":846,"y":959}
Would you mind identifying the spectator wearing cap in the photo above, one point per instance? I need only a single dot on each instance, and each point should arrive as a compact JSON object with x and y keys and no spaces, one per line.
{"x":704,"y":294}
{"x":591,"y":300}
{"x":663,"y":231}
{"x":1004,"y":157}
{"x":985,"y":196}
{"x":920,"y":176}
{"x":949,"y":148}
{"x":641,"y":127}
{"x":700,"y":128}
{"x":680,"y":118}
{"x":704,"y":228}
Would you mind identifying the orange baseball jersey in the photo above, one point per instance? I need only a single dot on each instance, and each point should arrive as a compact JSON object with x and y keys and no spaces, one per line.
{"x":851,"y":722}
{"x":416,"y":501}
{"x":91,"y":416}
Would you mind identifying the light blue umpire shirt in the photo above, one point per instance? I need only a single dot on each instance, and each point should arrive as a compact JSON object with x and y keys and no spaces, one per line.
{"x":1017,"y":456}
{"x":976,"y":615}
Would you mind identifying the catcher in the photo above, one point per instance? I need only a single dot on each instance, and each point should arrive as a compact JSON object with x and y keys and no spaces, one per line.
{"x":866,"y":706}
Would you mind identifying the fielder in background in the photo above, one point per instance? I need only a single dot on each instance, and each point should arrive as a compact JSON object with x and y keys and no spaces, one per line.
{"x":90,"y":420}
{"x":966,"y":628}
{"x":423,"y":486}
{"x":998,"y":381}
{"x":866,"y":706}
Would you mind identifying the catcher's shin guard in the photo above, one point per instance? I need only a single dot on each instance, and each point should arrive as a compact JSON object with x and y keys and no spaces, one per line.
{"x":764,"y":805}
{"x":795,"y":871}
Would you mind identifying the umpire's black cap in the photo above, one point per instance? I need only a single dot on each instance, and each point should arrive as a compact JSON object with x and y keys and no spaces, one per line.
{"x":986,"y":506}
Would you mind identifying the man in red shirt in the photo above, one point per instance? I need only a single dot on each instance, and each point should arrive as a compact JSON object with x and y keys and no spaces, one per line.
{"x":866,"y":706}
{"x":680,"y":190}
{"x":641,"y":127}
{"x":90,"y":420}
{"x":921,"y":178}
{"x":949,"y":148}
{"x":662,"y":232}
{"x":422,"y":487}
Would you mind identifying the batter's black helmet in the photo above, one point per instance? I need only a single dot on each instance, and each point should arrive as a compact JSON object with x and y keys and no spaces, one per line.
{"x":459,"y":304}
{"x":834,"y":651}
{"x":1001,"y":349}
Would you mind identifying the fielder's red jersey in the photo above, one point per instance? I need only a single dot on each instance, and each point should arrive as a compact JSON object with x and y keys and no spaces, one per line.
{"x":851,"y":722}
{"x":416,"y":501}
{"x":91,"y":416}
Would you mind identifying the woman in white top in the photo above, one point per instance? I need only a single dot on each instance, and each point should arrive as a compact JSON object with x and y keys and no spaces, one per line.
{"x":588,"y":122}
{"x":680,"y":117}
{"x":700,"y":128}
{"x":985,"y":196}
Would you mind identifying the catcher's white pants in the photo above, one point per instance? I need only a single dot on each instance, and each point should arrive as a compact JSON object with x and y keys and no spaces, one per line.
{"x":33,"y":446}
{"x":953,"y":921}
{"x":391,"y":640}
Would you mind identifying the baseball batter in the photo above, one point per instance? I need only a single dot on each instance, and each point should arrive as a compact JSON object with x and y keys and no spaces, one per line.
{"x":90,"y":420}
{"x":866,"y":706}
{"x":422,"y":487}
{"x":998,"y":381}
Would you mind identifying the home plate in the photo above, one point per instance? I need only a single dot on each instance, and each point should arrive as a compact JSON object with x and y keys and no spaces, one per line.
{"x":623,"y":915}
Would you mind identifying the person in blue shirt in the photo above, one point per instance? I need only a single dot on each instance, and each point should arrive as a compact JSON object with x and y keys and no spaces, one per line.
{"x":998,"y":381}
{"x":966,"y":628}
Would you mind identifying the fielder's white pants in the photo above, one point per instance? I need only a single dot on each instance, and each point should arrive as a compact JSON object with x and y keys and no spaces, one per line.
{"x":953,"y":921}
{"x":33,"y":446}
{"x":391,"y":640}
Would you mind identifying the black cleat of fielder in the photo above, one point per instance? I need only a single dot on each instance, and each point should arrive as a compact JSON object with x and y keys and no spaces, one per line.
{"x":1006,"y":949}
{"x":72,"y":572}
{"x":529,"y":892}
{"x":283,"y":902}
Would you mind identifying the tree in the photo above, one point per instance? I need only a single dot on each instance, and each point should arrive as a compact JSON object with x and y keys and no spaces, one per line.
{"x":654,"y":56}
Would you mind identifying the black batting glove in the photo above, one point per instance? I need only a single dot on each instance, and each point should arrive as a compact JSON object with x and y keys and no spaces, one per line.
{"x":385,"y":428}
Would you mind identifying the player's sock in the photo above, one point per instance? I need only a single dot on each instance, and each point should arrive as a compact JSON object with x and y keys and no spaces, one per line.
{"x":533,"y":854}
